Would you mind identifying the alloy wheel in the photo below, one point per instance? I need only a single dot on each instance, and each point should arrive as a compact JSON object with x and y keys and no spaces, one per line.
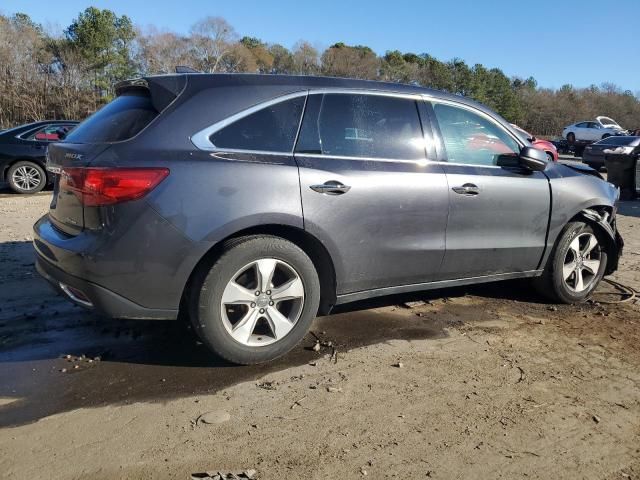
{"x":26,"y":177}
{"x":581,"y":262}
{"x":262,"y":302}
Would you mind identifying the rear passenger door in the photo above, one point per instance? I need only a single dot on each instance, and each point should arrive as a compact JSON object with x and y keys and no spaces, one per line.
{"x":368,"y":191}
{"x":499,"y":211}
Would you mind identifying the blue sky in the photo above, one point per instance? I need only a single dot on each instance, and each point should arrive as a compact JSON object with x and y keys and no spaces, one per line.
{"x":580,"y":42}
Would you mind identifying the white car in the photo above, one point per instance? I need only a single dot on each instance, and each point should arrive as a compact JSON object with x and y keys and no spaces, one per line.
{"x":591,"y":131}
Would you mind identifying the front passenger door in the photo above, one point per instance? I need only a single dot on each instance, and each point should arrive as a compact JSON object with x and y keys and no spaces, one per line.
{"x":499,"y":211}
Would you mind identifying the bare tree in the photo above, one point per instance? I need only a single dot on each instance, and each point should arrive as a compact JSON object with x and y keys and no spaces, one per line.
{"x":212,"y":38}
{"x":306,"y":60}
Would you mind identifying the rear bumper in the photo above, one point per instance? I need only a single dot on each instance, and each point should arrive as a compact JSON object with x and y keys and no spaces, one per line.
{"x":97,"y":298}
{"x":136,"y":265}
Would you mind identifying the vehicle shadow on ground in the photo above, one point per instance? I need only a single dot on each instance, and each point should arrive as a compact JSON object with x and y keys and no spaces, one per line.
{"x":116,"y":361}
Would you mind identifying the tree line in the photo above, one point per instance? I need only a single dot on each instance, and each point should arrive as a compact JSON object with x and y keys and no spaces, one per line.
{"x":45,"y":75}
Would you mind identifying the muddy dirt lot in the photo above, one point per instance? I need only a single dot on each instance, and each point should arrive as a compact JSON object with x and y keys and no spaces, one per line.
{"x":482,"y":382}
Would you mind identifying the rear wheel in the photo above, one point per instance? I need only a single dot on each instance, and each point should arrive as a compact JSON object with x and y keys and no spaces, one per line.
{"x":257,"y":301}
{"x":550,"y":157}
{"x":26,"y":177}
{"x":575,"y":267}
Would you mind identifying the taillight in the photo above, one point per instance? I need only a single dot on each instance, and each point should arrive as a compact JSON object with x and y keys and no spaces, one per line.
{"x":106,"y":186}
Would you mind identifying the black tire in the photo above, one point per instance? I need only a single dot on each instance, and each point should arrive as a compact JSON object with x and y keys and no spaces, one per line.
{"x":205,"y":299}
{"x":571,"y":138}
{"x":606,"y":135}
{"x":21,"y":177}
{"x":550,"y":157}
{"x":552,"y":284}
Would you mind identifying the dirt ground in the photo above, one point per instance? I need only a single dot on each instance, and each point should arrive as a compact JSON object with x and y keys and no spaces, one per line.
{"x":479,"y":382}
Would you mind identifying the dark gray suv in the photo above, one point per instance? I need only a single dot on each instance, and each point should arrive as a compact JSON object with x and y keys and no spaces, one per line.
{"x":253,"y":203}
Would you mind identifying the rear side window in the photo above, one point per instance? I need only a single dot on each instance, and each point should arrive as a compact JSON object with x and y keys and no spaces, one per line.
{"x":357,"y":125}
{"x":119,"y":120}
{"x":271,"y":129}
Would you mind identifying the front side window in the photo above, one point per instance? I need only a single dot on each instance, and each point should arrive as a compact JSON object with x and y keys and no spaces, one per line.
{"x":470,"y":138}
{"x":582,"y":125}
{"x":360,"y":125}
{"x":271,"y":129}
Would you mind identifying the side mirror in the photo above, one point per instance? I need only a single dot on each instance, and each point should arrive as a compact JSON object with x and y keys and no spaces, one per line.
{"x":533,"y":159}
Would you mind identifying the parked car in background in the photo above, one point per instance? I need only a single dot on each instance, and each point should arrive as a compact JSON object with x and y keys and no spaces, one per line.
{"x":592,"y":131}
{"x":23,"y":150}
{"x":544,"y":145}
{"x":252,"y":203}
{"x":594,"y":154}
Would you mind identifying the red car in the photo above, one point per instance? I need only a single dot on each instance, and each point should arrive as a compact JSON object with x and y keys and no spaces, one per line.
{"x":547,"y":147}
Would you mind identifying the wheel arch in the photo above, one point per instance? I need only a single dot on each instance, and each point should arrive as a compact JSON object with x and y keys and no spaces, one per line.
{"x":316,"y":251}
{"x":602,"y":219}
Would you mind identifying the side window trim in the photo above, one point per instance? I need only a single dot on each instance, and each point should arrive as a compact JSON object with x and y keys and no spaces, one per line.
{"x":202,"y":139}
{"x":440,"y":140}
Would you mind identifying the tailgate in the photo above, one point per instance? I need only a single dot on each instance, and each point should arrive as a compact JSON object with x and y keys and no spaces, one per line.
{"x":66,"y":210}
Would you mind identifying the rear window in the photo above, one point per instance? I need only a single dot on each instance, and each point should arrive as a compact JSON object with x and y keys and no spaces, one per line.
{"x":119,"y":120}
{"x":619,"y":141}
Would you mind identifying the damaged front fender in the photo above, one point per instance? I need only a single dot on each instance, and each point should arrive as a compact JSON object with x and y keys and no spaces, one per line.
{"x":605,"y":224}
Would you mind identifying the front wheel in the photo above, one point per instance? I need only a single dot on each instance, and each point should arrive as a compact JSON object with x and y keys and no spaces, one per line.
{"x":576,"y":265}
{"x":26,"y":177}
{"x":257,"y":301}
{"x":571,"y":138}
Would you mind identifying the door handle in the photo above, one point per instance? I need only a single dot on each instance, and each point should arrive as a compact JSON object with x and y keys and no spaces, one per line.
{"x":331,"y":187}
{"x":468,"y":189}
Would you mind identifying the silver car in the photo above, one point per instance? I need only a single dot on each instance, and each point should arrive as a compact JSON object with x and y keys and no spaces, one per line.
{"x":592,"y":131}
{"x":252,"y":203}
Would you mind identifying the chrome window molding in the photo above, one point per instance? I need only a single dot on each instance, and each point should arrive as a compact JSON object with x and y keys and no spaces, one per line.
{"x":255,"y":152}
{"x":202,"y":139}
{"x":418,"y":161}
